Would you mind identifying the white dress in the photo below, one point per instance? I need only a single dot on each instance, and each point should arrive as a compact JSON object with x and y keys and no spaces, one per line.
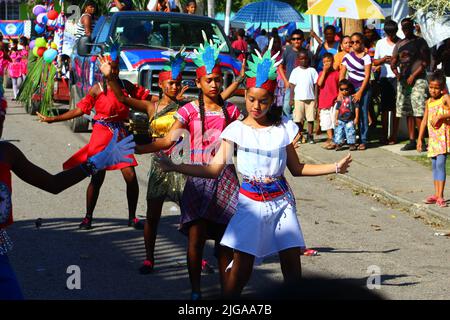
{"x":263,"y":228}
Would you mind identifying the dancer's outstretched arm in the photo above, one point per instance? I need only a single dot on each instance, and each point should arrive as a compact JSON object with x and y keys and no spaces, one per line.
{"x":301,"y":169}
{"x":87,"y":103}
{"x":223,"y":157}
{"x":163,"y":143}
{"x":115,"y":152}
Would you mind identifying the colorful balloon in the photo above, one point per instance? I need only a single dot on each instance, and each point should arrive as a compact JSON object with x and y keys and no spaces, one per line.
{"x":40,"y":42}
{"x":40,"y":18}
{"x":40,"y":51}
{"x":50,"y":55}
{"x":52,"y":14}
{"x":38,"y":9}
{"x":32,"y":44}
{"x":39,"y":29}
{"x":35,"y":53}
{"x":53,"y":46}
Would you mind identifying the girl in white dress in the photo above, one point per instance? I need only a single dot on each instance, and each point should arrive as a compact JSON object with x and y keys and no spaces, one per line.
{"x":265,"y":222}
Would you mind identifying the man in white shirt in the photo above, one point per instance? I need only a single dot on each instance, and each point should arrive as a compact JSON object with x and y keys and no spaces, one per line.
{"x":388,"y":81}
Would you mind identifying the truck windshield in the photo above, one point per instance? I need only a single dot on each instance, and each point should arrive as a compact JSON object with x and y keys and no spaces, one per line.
{"x":166,"y":33}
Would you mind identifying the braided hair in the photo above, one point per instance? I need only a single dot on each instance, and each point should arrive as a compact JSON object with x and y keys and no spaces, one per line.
{"x":201,"y":107}
{"x":224,"y":110}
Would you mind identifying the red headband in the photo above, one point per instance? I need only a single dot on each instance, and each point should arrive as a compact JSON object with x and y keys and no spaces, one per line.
{"x":202,"y":71}
{"x":269,"y":85}
{"x":167,"y":75}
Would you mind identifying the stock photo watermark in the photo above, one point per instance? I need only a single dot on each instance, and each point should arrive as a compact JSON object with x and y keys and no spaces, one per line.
{"x":74,"y":280}
{"x":374,"y":279}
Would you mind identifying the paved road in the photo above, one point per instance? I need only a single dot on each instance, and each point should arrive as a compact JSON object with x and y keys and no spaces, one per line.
{"x":351,"y":231}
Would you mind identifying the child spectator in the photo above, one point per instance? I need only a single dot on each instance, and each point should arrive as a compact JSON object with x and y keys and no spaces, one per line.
{"x":436,"y":116}
{"x":328,"y":91}
{"x":191,"y":7}
{"x":302,"y":81}
{"x":347,"y":116}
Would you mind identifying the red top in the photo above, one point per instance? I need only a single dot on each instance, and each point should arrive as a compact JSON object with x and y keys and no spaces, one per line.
{"x":329,"y":90}
{"x":5,"y":194}
{"x":242,"y":46}
{"x":114,"y":113}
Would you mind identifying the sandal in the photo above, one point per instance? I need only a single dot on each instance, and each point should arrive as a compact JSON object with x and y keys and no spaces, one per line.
{"x":392,"y":142}
{"x":206,"y":267}
{"x":136,"y":223}
{"x":86,"y":224}
{"x":362,"y":147}
{"x":331,"y":146}
{"x":431,"y":199}
{"x":441,"y":203}
{"x":147,"y":267}
{"x":309,"y":252}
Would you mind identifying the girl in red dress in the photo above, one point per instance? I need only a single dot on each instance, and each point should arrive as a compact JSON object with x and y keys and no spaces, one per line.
{"x":110,"y":115}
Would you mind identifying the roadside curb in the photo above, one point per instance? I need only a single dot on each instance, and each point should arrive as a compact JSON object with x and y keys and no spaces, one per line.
{"x":418,"y":210}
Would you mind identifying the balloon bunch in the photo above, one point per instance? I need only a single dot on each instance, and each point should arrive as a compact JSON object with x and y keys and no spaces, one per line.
{"x":39,"y":47}
{"x":46,"y":24}
{"x":45,"y":19}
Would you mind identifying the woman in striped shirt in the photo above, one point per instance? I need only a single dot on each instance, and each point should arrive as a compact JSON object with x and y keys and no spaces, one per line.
{"x":85,"y":25}
{"x":357,"y":65}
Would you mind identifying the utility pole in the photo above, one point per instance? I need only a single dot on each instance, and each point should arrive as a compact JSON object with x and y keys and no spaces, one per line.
{"x":211,"y":7}
{"x":227,"y":17}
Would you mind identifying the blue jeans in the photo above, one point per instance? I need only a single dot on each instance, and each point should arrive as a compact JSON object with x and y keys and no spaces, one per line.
{"x":364,"y":114}
{"x":345,"y":130}
{"x":287,"y":109}
{"x":9,"y":286}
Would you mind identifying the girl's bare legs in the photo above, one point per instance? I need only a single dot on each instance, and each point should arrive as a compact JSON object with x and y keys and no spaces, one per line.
{"x":197,"y":239}
{"x":290,"y":264}
{"x":224,"y":255}
{"x":154,"y":209}
{"x":239,"y":275}
{"x":93,"y":192}
{"x":439,"y":187}
{"x":129,"y":174}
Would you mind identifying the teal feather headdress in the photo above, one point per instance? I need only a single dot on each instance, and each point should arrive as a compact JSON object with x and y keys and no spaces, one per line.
{"x":262,"y":71}
{"x":174,"y":67}
{"x":112,"y":49}
{"x":207,"y":57}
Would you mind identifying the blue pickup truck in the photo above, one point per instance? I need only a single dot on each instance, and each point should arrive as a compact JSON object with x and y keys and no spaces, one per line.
{"x":144,"y":37}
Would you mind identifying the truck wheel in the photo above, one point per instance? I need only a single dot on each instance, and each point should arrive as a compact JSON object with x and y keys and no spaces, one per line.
{"x":79,"y":124}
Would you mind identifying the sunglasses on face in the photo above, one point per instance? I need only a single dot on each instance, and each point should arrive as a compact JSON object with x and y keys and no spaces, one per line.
{"x":353,"y":42}
{"x":295,"y":39}
{"x":344,"y":89}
